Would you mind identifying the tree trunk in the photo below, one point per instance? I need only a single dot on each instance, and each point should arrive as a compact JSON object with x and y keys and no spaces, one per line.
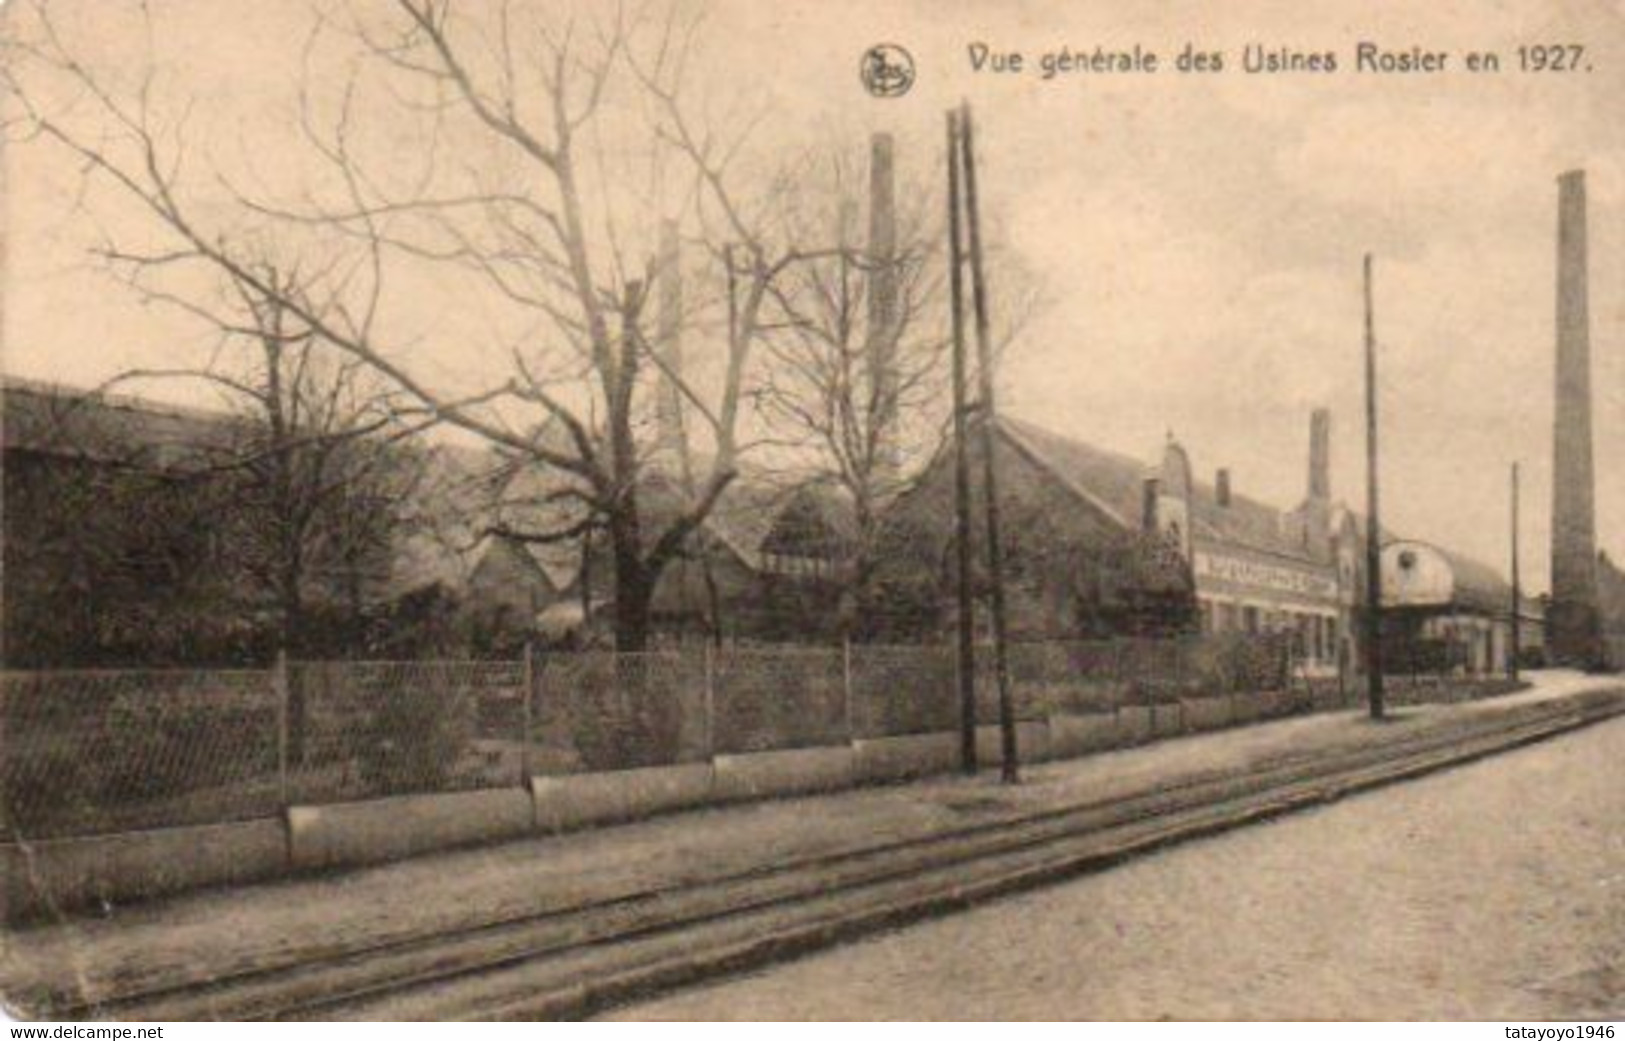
{"x":293,"y":636}
{"x":634,"y":586}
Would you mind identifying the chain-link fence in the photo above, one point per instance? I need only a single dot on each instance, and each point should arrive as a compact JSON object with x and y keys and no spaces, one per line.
{"x":780,"y":698}
{"x":362,"y":729}
{"x":601,"y":710}
{"x":900,"y":690}
{"x":83,"y":752}
{"x":87,"y":752}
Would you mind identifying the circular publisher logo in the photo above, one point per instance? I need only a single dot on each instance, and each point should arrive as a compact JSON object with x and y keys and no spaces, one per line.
{"x":887,"y":70}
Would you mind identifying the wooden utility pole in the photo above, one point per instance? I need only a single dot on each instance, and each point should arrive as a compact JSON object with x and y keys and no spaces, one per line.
{"x":1373,"y":524}
{"x":1011,"y":772}
{"x":1517,"y":591}
{"x":962,"y":526}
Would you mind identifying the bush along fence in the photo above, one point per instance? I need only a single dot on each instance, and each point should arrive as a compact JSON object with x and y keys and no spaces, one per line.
{"x":120,"y":785}
{"x":87,"y":752}
{"x":96,"y":752}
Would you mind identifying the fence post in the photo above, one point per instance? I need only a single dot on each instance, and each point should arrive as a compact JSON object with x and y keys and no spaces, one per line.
{"x":708,"y":671}
{"x":846,"y":685}
{"x":525,"y":713}
{"x":1292,"y":667}
{"x":279,"y":682}
{"x":1115,"y":674}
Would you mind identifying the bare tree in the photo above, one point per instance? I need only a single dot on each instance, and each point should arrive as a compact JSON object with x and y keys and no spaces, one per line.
{"x":539,"y":220}
{"x":860,"y":380}
{"x":310,"y":454}
{"x":309,"y":467}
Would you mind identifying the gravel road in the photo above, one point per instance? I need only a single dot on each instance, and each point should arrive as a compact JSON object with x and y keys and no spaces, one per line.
{"x":1494,"y":891}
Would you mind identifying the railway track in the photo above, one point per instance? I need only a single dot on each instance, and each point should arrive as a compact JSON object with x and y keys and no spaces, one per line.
{"x":570,"y":963}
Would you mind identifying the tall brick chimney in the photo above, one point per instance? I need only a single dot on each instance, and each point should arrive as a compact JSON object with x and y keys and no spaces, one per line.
{"x":883,"y":300}
{"x":1572,"y":625}
{"x":1320,"y":455}
{"x":669,"y":436}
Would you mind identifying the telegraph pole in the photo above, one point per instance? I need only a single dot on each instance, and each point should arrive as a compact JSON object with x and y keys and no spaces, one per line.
{"x":962,"y":527}
{"x":1011,"y":772}
{"x":1373,"y":535}
{"x":1517,"y":592}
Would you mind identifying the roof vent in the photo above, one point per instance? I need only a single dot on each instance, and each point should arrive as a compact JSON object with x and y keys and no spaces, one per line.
{"x":1221,"y":487}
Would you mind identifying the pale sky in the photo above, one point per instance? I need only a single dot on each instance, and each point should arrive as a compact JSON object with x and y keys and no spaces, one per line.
{"x":1199,"y":237}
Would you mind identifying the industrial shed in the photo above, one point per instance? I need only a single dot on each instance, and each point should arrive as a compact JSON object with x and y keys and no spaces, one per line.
{"x":1444,"y":611}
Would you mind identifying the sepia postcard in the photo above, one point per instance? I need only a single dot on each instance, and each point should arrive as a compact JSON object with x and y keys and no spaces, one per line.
{"x":899,"y":510}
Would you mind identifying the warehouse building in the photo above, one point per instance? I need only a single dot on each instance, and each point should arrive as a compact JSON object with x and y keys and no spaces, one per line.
{"x":1260,"y":569}
{"x":1448,"y":613}
{"x":1102,"y":544}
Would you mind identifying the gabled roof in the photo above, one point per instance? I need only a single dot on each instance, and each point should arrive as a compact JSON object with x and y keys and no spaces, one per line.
{"x":1114,"y":483}
{"x":1249,"y":523}
{"x":440,"y":516}
{"x":535,"y":498}
{"x":449,"y":509}
{"x":117,"y":429}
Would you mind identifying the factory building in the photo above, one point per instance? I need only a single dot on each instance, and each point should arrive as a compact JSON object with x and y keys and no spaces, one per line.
{"x":1260,"y":569}
{"x":1103,"y":544}
{"x":1444,"y":612}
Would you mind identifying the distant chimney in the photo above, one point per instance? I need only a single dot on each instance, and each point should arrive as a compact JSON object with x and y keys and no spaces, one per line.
{"x":1573,"y":625}
{"x":882,"y":297}
{"x":1320,"y":455}
{"x":1148,"y":505}
{"x":669,"y":435}
{"x":1221,"y":487}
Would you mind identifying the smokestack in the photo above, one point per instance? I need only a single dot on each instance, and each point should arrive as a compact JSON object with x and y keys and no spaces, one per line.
{"x":669,"y":437}
{"x":1573,"y":625}
{"x":1148,"y":505}
{"x":1221,"y":487}
{"x":883,"y":302}
{"x":1320,"y":455}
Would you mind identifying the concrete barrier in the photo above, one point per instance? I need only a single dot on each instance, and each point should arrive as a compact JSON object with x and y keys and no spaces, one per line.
{"x":1074,"y":735}
{"x":1032,"y":742}
{"x":580,"y":800}
{"x":45,"y":876}
{"x":1202,"y":714}
{"x":1134,"y":724}
{"x":1167,"y":720}
{"x":877,"y":760}
{"x":399,"y":826}
{"x":790,"y":771}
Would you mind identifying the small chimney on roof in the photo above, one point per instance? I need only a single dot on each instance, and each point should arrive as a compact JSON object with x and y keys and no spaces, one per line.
{"x":1320,"y":455}
{"x":1221,"y":486}
{"x":1148,"y":504}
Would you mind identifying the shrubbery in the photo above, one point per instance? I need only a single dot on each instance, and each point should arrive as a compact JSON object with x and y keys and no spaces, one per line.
{"x":413,"y":740}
